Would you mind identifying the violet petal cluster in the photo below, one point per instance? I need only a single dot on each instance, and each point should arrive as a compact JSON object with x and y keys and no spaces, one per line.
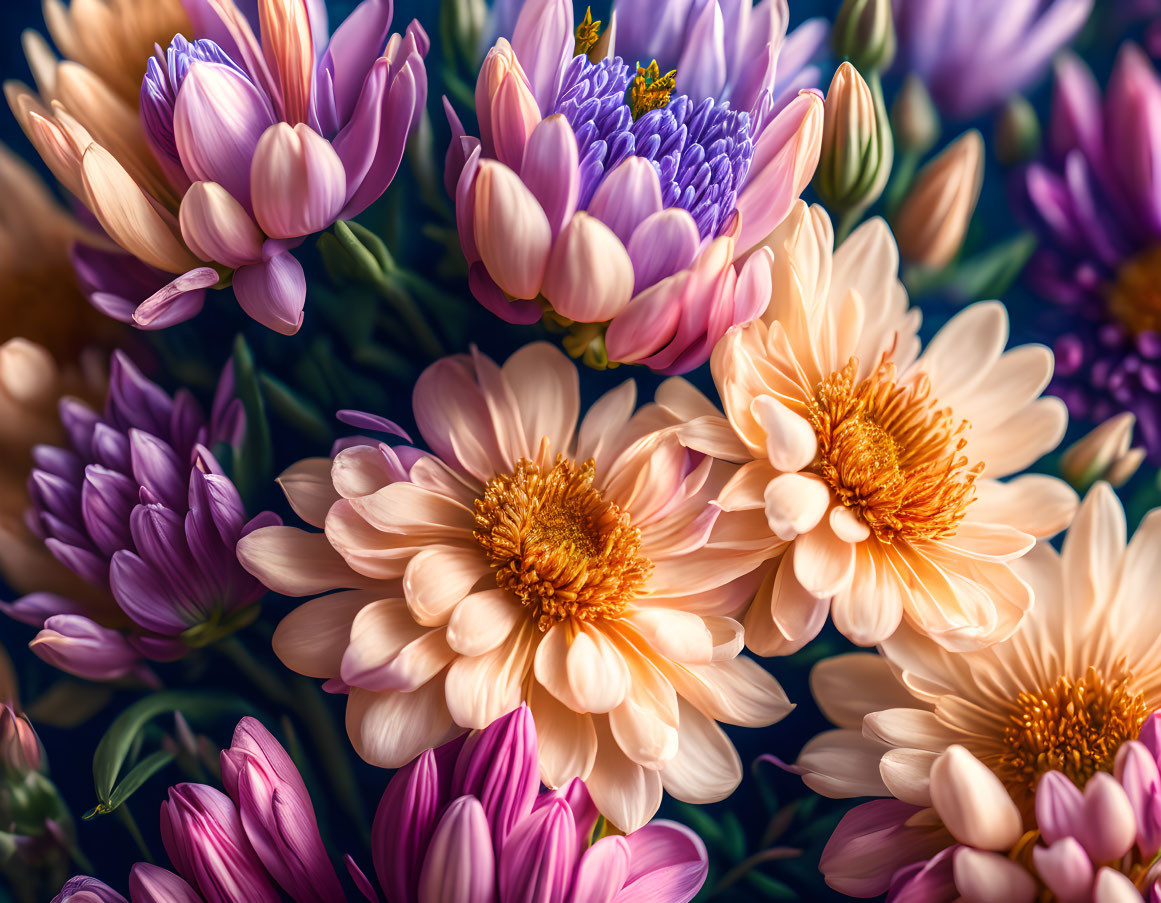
{"x":973,"y":56}
{"x":138,"y":507}
{"x":467,"y":821}
{"x":1096,"y":203}
{"x":264,"y":141}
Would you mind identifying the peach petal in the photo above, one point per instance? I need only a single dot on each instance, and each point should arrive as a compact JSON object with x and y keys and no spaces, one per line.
{"x":589,"y":277}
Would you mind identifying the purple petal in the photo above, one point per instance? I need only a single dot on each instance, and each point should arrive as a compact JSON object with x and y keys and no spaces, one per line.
{"x":667,"y":861}
{"x":273,"y":292}
{"x":35,"y":608}
{"x":180,"y":300}
{"x":157,"y":468}
{"x":82,"y":647}
{"x":146,"y":597}
{"x":107,"y":498}
{"x":372,"y":422}
{"x":353,"y":50}
{"x":152,"y":884}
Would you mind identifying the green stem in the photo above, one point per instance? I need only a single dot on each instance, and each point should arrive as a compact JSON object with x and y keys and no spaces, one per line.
{"x":846,"y":225}
{"x":130,"y":823}
{"x":405,"y":306}
{"x":253,"y":670}
{"x":739,"y":871}
{"x":901,"y":180}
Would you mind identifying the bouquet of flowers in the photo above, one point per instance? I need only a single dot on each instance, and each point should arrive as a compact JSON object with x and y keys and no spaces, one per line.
{"x":525,"y":451}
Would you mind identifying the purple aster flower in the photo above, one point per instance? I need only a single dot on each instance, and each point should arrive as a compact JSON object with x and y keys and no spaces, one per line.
{"x":467,"y":821}
{"x":1095,"y":199}
{"x":621,"y":201}
{"x":138,"y":507}
{"x":258,"y":140}
{"x":975,"y":55}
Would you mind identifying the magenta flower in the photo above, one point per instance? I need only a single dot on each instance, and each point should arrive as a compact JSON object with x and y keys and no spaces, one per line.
{"x":620,"y":202}
{"x":258,"y":142}
{"x":257,"y":843}
{"x":138,"y":507}
{"x":465,"y":821}
{"x":1095,"y":199}
{"x":974,"y":56}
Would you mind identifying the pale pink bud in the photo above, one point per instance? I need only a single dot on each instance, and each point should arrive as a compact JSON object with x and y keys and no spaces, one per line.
{"x":1103,"y":454}
{"x":973,"y":804}
{"x":297,"y":181}
{"x":19,"y":746}
{"x":933,"y":219}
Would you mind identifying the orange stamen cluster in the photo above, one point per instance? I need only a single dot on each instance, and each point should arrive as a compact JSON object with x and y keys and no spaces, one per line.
{"x":558,"y":545}
{"x":1075,"y":726}
{"x":890,"y":455}
{"x":1135,"y":298}
{"x":587,"y":34}
{"x":650,"y":89}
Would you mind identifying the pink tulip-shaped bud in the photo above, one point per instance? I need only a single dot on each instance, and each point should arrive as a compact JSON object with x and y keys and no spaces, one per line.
{"x":203,"y":835}
{"x":297,"y":181}
{"x":1059,"y":807}
{"x":152,"y":884}
{"x":19,"y":746}
{"x":972,"y":802}
{"x":589,"y":277}
{"x":1112,"y":886}
{"x":499,"y":61}
{"x":511,"y":230}
{"x":460,"y":862}
{"x":1110,"y":825}
{"x":277,"y":814}
{"x":1066,"y":869}
{"x":1137,"y":771}
{"x":538,"y":859}
{"x":407,"y":816}
{"x":983,"y":877}
{"x":1103,"y":454}
{"x":499,"y":766}
{"x":514,"y":116}
{"x":217,"y":228}
{"x":217,"y":120}
{"x":83,"y":647}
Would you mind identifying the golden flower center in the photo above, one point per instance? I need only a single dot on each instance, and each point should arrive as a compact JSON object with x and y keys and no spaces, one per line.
{"x":1076,"y":726}
{"x":558,"y":545}
{"x":1135,"y":298}
{"x":587,"y":33}
{"x":650,"y":90}
{"x":891,"y":455}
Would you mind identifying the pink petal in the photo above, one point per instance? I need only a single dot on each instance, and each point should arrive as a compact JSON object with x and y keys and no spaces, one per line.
{"x":511,"y":231}
{"x":273,"y":293}
{"x":589,"y":277}
{"x":217,"y":228}
{"x":297,"y":182}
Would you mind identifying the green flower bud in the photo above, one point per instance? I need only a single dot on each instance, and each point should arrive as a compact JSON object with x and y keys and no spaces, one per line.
{"x":1017,"y":132}
{"x":461,"y":25}
{"x":914,"y":117}
{"x":857,"y":150}
{"x":864,"y":33}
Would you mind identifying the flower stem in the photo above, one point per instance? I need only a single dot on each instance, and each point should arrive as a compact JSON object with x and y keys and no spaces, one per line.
{"x":130,"y":823}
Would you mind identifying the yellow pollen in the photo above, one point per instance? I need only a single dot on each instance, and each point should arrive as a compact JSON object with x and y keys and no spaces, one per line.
{"x":1135,"y":298}
{"x":890,"y":455}
{"x":650,"y":89}
{"x":557,"y":544}
{"x":1076,"y":726}
{"x":587,"y":33}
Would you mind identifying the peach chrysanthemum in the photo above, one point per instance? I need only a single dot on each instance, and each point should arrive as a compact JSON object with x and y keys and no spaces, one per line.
{"x":1076,"y":682}
{"x":584,"y":571}
{"x":876,"y":466}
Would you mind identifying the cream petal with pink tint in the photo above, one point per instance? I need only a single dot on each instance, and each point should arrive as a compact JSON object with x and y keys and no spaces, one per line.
{"x":881,"y":465}
{"x":450,"y":619}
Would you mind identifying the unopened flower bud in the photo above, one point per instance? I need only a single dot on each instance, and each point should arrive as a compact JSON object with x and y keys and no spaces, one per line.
{"x":864,"y":33}
{"x":857,"y":150}
{"x":1017,"y":132}
{"x":932,"y":221}
{"x":914,"y":117}
{"x":1104,"y":454}
{"x":19,"y":746}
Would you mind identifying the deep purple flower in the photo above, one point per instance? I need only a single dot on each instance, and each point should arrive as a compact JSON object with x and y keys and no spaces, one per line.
{"x":138,"y":506}
{"x":975,"y":55}
{"x":1095,"y":199}
{"x":465,"y":821}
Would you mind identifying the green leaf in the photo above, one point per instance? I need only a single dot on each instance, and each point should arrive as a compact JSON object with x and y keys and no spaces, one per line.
{"x":114,"y":748}
{"x":138,"y":775}
{"x":771,"y":888}
{"x":294,"y":409}
{"x":991,"y":273}
{"x":734,"y":836}
{"x":255,"y":459}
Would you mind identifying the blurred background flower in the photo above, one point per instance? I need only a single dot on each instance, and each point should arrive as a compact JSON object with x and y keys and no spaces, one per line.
{"x":1094,"y":200}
